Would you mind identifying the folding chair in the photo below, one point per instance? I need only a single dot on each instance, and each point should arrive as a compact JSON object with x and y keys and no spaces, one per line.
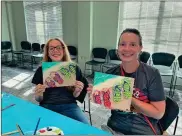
{"x":164,"y":62}
{"x":171,"y":113}
{"x":178,"y":73}
{"x":112,"y":61}
{"x":144,"y":56}
{"x":73,"y":52}
{"x":98,"y":58}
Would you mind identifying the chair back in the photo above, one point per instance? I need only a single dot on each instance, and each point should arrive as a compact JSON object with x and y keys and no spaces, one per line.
{"x":99,"y":53}
{"x":171,"y":112}
{"x":6,"y":46}
{"x":72,"y":50}
{"x":35,"y":47}
{"x":162,"y":58}
{"x":113,"y":54}
{"x":26,"y":46}
{"x":180,"y":61}
{"x":42,"y":46}
{"x":144,"y":56}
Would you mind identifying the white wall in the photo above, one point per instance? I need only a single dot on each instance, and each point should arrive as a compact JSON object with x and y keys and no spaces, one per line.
{"x":19,"y":23}
{"x":4,"y":27}
{"x":105,"y":22}
{"x":70,"y":22}
{"x":13,"y":23}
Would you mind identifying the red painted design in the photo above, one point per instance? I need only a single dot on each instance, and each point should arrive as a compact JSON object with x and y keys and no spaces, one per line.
{"x":106,"y":98}
{"x":41,"y":131}
{"x":97,"y":97}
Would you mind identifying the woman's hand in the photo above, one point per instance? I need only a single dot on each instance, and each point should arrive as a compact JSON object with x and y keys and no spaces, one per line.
{"x":153,"y":109}
{"x":78,"y":88}
{"x":89,"y":90}
{"x":39,"y":90}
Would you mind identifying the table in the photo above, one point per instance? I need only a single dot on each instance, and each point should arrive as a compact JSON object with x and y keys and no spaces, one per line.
{"x":26,"y":114}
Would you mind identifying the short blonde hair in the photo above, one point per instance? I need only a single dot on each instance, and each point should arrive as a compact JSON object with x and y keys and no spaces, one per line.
{"x":66,"y":54}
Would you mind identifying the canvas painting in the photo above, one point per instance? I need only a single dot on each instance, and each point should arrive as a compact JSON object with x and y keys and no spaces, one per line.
{"x":58,"y":74}
{"x":112,"y":91}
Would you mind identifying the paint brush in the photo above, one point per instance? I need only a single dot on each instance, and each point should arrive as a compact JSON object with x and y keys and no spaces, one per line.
{"x":7,"y":107}
{"x":19,"y":129}
{"x":36,"y":126}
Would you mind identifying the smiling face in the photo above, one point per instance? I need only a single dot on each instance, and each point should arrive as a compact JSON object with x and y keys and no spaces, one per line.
{"x":129,"y":47}
{"x":55,"y":50}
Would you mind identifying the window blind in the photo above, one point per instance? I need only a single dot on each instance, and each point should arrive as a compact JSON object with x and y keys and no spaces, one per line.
{"x":43,"y":20}
{"x":160,"y":24}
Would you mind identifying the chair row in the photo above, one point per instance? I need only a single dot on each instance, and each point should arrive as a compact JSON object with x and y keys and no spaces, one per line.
{"x":166,"y":63}
{"x":25,"y":46}
{"x":106,"y":59}
{"x":32,"y":51}
{"x":28,"y":50}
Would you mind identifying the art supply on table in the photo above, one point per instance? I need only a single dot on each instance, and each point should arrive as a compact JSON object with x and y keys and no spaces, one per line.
{"x":50,"y":130}
{"x":7,"y":107}
{"x":20,"y":130}
{"x":10,"y":133}
{"x":36,"y":126}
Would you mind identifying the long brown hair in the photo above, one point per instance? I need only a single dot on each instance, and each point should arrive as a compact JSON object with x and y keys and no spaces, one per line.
{"x":66,"y":54}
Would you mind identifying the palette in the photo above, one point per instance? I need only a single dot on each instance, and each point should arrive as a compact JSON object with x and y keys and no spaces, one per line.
{"x":50,"y":131}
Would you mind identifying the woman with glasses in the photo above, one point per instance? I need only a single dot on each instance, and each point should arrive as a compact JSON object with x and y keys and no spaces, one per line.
{"x":148,"y":101}
{"x":60,"y":99}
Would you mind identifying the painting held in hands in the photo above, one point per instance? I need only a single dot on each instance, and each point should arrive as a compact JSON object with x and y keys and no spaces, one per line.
{"x":112,"y":91}
{"x":57,"y":74}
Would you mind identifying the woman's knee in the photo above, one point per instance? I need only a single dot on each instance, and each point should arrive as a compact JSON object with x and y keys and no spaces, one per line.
{"x":76,"y":113}
{"x":80,"y":116}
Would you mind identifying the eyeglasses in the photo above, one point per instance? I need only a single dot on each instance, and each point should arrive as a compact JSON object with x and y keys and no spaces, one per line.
{"x":58,"y":48}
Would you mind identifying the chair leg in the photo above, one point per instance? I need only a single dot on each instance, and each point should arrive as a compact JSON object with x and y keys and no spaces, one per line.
{"x":32,"y":61}
{"x":89,"y":111}
{"x":22,"y":60}
{"x":171,"y":84}
{"x":174,"y":87}
{"x":84,"y":106}
{"x":175,"y":127}
{"x":85,"y":69}
{"x":101,"y":68}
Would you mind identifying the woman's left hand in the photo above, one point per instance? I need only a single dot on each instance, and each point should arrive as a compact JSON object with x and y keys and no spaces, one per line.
{"x":78,"y":88}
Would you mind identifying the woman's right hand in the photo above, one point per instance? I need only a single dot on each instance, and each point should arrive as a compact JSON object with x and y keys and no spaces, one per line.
{"x":89,"y":89}
{"x":39,"y":90}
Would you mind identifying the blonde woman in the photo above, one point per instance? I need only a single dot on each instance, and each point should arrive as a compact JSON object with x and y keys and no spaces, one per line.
{"x":60,"y":99}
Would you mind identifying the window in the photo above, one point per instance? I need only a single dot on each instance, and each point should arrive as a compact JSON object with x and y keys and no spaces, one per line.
{"x":160,"y":24}
{"x":43,"y":20}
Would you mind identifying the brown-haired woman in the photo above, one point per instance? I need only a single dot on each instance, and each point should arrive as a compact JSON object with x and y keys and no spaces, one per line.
{"x":60,"y":99}
{"x":148,"y":101}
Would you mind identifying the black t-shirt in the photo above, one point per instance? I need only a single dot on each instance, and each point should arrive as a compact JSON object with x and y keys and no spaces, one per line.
{"x":60,"y":95}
